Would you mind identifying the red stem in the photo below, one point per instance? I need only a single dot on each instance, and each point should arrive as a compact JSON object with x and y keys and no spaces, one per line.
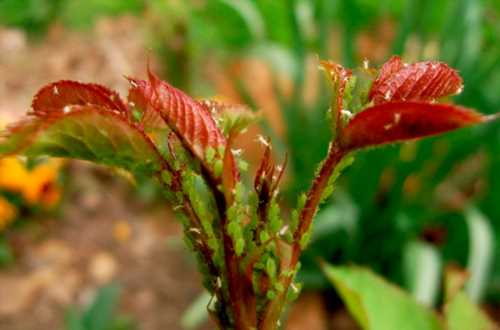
{"x":240,"y":302}
{"x":335,"y":155}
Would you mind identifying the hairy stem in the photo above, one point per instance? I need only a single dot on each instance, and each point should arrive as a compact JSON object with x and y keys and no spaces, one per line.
{"x":240,"y":301}
{"x":335,"y":155}
{"x":274,"y":309}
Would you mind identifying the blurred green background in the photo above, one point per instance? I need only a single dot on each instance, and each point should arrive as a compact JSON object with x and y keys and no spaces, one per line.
{"x":405,"y":211}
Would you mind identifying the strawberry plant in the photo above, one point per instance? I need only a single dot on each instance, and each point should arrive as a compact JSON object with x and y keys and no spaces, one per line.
{"x":247,"y":247}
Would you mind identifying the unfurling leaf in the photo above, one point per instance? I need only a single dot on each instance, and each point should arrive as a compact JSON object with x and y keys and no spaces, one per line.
{"x":268,"y":176}
{"x":400,"y":121}
{"x":421,"y":81}
{"x":339,"y":77}
{"x":232,"y":119}
{"x":358,"y":88}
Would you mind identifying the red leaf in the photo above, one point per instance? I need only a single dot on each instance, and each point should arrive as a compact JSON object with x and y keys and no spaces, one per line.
{"x":400,"y":121}
{"x":56,"y":96}
{"x":189,"y":119}
{"x":268,"y":175}
{"x":422,"y":81}
{"x":139,"y":96}
{"x":265,"y":171}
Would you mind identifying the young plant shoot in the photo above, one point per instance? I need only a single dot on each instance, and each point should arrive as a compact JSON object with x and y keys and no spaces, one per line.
{"x":247,"y":250}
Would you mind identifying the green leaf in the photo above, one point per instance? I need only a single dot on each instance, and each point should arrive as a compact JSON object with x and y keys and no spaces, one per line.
{"x":461,"y":313}
{"x":376,"y":304}
{"x":250,"y":15}
{"x":123,"y":323}
{"x":87,"y":133}
{"x":83,"y":13}
{"x":100,"y":315}
{"x":72,"y":320}
{"x":196,"y":313}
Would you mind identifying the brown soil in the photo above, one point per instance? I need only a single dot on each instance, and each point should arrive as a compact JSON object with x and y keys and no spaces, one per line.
{"x":63,"y":261}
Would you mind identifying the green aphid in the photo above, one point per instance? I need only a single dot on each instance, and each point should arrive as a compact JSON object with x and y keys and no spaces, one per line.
{"x":220,"y":151}
{"x":264,"y":237}
{"x":304,"y":240}
{"x":275,"y":222}
{"x":294,"y":220}
{"x":239,"y":193}
{"x":271,"y":267}
{"x":137,"y":115}
{"x":239,"y":246}
{"x":294,"y":291}
{"x":242,"y":165}
{"x":234,"y":229}
{"x":279,"y":287}
{"x":218,"y":167}
{"x":301,"y":201}
{"x":166,"y":177}
{"x":210,"y":155}
{"x":271,"y":295}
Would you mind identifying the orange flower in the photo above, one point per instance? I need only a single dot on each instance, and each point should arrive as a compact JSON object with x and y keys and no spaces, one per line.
{"x":42,"y":187}
{"x":38,"y":186}
{"x":7,"y":213}
{"x":13,"y":174}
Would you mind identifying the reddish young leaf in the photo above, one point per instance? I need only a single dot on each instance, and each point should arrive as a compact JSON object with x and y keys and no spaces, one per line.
{"x":400,"y":121}
{"x":268,"y":175}
{"x":264,"y":173}
{"x":189,"y":119}
{"x":56,"y":96}
{"x":422,"y":81}
{"x":82,"y":121}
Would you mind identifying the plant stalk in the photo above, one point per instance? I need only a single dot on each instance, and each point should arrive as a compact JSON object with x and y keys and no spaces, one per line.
{"x":274,"y":309}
